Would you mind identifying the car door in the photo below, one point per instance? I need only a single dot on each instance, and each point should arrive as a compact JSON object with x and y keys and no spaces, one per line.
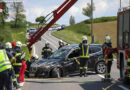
{"x":71,"y":64}
{"x":91,"y":57}
{"x":94,"y":56}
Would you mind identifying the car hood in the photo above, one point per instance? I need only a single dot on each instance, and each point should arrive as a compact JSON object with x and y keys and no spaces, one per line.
{"x":45,"y":62}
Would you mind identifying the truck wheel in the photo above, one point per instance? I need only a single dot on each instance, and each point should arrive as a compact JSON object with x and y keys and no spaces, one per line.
{"x":100,"y":67}
{"x":56,"y":73}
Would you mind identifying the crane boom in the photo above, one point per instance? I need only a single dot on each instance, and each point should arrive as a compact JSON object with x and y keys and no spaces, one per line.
{"x":61,"y":10}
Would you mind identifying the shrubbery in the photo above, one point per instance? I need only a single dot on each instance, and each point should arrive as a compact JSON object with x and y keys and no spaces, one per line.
{"x":102,"y":19}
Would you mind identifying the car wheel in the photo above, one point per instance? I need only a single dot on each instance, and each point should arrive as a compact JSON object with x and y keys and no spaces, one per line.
{"x":56,"y":73}
{"x":100,"y":67}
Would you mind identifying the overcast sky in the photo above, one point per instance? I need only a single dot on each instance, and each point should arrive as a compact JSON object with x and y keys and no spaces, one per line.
{"x":36,"y":8}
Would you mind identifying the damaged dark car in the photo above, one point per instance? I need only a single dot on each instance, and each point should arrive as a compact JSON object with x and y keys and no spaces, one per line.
{"x":62,"y":63}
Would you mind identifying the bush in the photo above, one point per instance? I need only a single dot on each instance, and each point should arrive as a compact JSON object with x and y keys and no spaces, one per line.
{"x":102,"y":19}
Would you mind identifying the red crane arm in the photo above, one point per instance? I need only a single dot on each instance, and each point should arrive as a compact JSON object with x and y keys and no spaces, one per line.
{"x":56,"y":15}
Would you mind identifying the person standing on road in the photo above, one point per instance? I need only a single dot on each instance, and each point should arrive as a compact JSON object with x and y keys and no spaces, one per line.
{"x":46,"y":51}
{"x":10,"y":54}
{"x":18,"y":61}
{"x":108,"y":57}
{"x":5,"y":70}
{"x":29,"y":62}
{"x":83,"y":49}
{"x":61,"y":44}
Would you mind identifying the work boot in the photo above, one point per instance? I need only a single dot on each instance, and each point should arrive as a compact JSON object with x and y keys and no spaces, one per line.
{"x":18,"y":87}
{"x":81,"y":73}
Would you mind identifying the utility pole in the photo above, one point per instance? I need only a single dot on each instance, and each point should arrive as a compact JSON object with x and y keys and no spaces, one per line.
{"x":92,"y":37}
{"x":120,"y":3}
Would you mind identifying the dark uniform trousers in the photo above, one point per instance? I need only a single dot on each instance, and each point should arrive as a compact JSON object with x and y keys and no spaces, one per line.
{"x":108,"y":71}
{"x":5,"y":79}
{"x":83,"y":65}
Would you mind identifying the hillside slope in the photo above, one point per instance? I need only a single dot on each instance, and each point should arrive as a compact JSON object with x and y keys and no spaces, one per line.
{"x":102,"y":29}
{"x":103,"y":26}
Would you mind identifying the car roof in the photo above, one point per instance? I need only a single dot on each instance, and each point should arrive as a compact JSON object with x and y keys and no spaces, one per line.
{"x":77,"y":45}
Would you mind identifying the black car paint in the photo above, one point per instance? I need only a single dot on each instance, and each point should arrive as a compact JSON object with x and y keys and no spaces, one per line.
{"x":67,"y":64}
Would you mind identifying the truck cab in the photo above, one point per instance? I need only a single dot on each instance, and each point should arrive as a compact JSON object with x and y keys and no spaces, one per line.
{"x":123,"y":40}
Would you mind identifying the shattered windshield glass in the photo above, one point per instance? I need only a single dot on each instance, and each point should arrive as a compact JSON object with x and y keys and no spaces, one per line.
{"x":59,"y":54}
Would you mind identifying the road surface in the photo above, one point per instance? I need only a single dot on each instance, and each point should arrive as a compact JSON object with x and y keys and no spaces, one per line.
{"x":71,"y":82}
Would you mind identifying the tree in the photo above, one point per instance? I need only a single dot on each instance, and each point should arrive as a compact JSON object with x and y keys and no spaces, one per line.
{"x":4,"y":14}
{"x":19,"y":17}
{"x":87,"y":11}
{"x":72,"y":20}
{"x":41,"y":20}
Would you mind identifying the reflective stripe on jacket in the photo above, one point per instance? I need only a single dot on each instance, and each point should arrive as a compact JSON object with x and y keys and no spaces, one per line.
{"x":18,"y":60}
{"x":84,"y":51}
{"x":4,"y":61}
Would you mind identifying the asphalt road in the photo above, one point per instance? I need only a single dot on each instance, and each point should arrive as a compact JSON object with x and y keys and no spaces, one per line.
{"x":73,"y":81}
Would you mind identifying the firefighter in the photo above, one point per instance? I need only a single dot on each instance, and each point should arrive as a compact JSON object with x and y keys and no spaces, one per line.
{"x":83,"y":49}
{"x":108,"y":57}
{"x":18,"y":61}
{"x":29,"y":62}
{"x":46,"y":51}
{"x":61,"y":44}
{"x":10,"y":54}
{"x":5,"y":70}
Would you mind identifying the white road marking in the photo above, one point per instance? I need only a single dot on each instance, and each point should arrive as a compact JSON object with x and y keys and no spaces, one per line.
{"x":124,"y":88}
{"x":101,"y":76}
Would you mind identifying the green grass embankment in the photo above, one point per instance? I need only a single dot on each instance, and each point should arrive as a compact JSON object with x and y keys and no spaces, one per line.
{"x":73,"y":34}
{"x":8,"y":34}
{"x":102,"y":26}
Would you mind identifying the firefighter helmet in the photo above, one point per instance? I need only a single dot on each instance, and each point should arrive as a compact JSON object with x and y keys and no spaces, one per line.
{"x":60,"y":41}
{"x":8,"y":45}
{"x":107,"y":39}
{"x":18,"y":44}
{"x":46,"y":43}
{"x":84,"y":38}
{"x":36,"y":57}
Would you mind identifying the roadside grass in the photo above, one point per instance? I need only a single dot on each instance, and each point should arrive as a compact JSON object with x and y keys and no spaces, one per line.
{"x":13,"y":35}
{"x":100,"y":30}
{"x":74,"y":33}
{"x":103,"y":26}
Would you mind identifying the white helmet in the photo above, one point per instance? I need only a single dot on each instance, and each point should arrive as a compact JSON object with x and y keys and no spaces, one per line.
{"x":46,"y":43}
{"x":8,"y":45}
{"x":107,"y":39}
{"x":18,"y":44}
{"x":36,"y":57}
{"x":60,"y":41}
{"x":84,"y":38}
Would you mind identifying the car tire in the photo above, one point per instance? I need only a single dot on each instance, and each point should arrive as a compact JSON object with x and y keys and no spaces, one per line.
{"x":56,"y":73}
{"x":100,"y":67}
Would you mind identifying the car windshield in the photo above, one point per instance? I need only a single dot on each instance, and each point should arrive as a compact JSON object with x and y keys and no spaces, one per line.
{"x":59,"y":54}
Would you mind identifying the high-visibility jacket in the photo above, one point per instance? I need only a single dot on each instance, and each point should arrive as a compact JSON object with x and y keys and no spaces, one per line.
{"x":4,"y":61}
{"x":18,"y":60}
{"x":84,"y":50}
